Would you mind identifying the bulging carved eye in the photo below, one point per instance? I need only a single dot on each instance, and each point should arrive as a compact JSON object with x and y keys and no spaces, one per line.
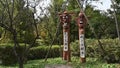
{"x":66,"y":16}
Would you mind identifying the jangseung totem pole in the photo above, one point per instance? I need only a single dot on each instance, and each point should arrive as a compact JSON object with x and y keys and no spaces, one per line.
{"x":81,"y":22}
{"x":65,"y":18}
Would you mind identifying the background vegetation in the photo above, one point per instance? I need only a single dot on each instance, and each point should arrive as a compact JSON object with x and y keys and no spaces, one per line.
{"x":26,"y":34}
{"x":91,"y":63}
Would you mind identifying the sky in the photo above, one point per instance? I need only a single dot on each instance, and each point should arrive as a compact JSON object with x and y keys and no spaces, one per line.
{"x":43,"y":4}
{"x":101,"y":5}
{"x":104,"y":5}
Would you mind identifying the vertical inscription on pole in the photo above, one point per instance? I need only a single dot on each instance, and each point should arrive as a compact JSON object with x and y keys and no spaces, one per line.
{"x":82,"y":46}
{"x":65,"y":41}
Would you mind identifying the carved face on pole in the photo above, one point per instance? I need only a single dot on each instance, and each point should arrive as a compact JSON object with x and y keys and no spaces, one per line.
{"x":81,"y":21}
{"x":65,"y":19}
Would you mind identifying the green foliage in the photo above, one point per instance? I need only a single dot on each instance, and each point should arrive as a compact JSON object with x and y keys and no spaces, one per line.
{"x":75,"y":48}
{"x":91,"y":48}
{"x":75,"y":63}
{"x":41,"y":51}
{"x":111,"y":47}
{"x":7,"y":55}
{"x":102,"y":23}
{"x":21,"y":18}
{"x":92,"y":63}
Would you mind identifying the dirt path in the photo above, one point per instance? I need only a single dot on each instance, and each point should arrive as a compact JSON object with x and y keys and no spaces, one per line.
{"x":58,"y":66}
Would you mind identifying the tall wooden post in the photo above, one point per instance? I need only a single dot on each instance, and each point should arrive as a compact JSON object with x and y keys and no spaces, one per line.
{"x":65,"y":21}
{"x":81,"y":22}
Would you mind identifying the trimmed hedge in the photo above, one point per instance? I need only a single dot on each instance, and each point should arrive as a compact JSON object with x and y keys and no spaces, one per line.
{"x":41,"y":51}
{"x":8,"y":57}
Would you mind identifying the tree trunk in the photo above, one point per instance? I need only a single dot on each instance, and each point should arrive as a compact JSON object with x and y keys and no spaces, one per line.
{"x":18,"y":55}
{"x":20,"y":61}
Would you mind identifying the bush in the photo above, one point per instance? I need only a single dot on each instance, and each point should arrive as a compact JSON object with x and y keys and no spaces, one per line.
{"x":91,"y":46}
{"x":111,"y":47}
{"x":8,"y":57}
{"x":75,"y":48}
{"x":41,"y":51}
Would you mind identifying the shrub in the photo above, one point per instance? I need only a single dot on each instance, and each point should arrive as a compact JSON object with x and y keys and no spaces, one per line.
{"x":8,"y":57}
{"x":41,"y":51}
{"x":75,"y":48}
{"x":111,"y":47}
{"x":91,"y":46}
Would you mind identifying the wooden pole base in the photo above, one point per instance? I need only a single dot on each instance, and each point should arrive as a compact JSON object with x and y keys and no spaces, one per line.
{"x":83,"y":60}
{"x":66,"y":56}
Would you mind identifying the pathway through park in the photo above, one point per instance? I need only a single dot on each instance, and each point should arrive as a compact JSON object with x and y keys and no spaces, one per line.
{"x":58,"y":66}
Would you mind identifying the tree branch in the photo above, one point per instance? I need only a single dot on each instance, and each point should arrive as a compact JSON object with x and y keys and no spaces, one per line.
{"x":9,"y":14}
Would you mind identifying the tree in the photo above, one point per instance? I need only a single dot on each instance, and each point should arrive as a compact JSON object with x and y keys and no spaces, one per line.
{"x":50,"y":21}
{"x":100,"y":21}
{"x":20,"y":22}
{"x":115,"y":6}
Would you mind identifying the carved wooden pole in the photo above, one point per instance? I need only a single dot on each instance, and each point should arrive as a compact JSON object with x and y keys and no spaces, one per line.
{"x":65,"y":18}
{"x":81,"y":22}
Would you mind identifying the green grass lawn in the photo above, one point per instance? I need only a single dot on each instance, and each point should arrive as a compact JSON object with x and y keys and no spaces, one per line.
{"x":91,"y":63}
